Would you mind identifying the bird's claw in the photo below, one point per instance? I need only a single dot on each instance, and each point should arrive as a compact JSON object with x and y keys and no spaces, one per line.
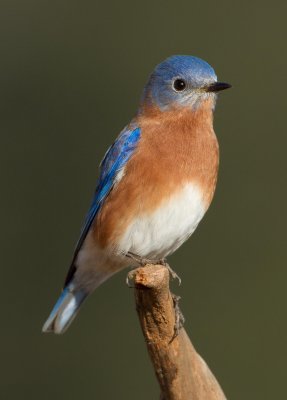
{"x":172,"y":273}
{"x":130,"y":278}
{"x":144,"y":261}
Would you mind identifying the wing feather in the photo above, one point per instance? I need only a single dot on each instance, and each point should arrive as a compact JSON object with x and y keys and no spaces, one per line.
{"x":115,"y":159}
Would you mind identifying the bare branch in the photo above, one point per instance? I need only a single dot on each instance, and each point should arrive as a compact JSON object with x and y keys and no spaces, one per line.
{"x":181,"y":372}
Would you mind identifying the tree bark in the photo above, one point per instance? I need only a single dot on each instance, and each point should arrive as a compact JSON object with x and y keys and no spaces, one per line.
{"x":181,"y":372}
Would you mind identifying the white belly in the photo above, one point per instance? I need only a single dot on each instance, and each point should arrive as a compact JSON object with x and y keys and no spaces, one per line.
{"x":160,"y":233}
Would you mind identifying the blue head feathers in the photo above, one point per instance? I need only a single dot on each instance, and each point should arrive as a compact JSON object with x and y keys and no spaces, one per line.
{"x":181,"y":81}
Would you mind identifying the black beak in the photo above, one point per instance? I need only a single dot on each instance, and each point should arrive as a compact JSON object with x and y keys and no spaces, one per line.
{"x":217,"y":86}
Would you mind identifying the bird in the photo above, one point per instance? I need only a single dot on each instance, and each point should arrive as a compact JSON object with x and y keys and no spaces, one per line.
{"x":155,"y":184}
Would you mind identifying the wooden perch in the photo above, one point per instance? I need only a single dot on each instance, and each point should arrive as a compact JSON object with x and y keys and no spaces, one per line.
{"x":181,"y":372}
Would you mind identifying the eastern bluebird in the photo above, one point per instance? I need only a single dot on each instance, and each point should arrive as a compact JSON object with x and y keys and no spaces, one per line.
{"x":156,"y":182}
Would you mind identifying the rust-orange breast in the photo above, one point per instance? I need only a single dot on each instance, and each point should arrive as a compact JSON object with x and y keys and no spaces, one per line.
{"x":176,"y":147}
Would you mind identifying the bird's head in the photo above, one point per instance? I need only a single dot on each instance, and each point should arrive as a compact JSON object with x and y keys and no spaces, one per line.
{"x":183,"y":81}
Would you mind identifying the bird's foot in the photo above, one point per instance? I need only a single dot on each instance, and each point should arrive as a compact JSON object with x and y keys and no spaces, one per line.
{"x":179,"y":317}
{"x":142,"y":261}
{"x":130,"y":278}
{"x":172,"y":273}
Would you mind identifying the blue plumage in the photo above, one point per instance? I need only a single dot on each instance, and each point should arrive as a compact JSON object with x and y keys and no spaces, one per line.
{"x":195,"y":73}
{"x":115,"y":159}
{"x":65,"y":309}
{"x":194,"y":69}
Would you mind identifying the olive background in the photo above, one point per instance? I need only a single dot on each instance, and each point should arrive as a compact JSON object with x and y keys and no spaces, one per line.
{"x":71,"y":75}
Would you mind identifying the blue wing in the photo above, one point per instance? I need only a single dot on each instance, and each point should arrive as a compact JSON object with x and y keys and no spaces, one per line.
{"x":115,"y":159}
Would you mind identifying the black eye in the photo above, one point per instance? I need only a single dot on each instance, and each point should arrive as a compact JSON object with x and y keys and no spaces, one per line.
{"x":179,"y":85}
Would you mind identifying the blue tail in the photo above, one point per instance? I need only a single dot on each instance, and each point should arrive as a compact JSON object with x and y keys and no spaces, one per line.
{"x":65,"y":310}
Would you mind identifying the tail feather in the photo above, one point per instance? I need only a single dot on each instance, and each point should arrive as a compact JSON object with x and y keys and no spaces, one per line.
{"x":65,"y":310}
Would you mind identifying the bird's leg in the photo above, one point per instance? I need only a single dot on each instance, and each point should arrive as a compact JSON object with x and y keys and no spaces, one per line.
{"x":172,"y":273}
{"x":142,"y":261}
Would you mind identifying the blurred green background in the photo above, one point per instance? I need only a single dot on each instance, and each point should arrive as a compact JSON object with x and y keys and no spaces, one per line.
{"x":71,"y":74}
